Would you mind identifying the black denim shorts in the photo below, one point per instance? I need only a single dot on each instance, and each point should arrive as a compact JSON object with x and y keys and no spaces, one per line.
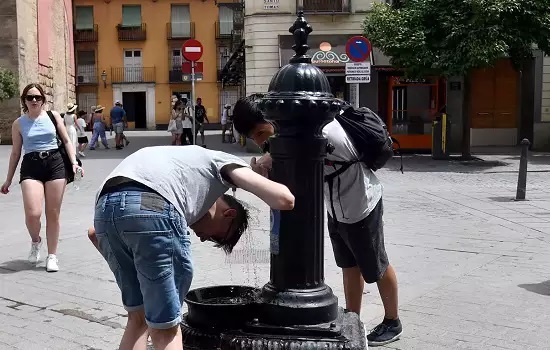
{"x":42,"y":166}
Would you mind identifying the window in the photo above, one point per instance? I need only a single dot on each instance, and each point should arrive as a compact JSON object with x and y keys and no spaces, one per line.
{"x":86,"y":70}
{"x":84,"y":17}
{"x":131,"y":15}
{"x":177,"y":59}
{"x":226,"y":20}
{"x":181,"y":21}
{"x":223,"y":56}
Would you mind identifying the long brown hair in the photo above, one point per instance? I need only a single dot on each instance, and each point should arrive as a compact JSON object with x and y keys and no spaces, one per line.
{"x":26,"y":91}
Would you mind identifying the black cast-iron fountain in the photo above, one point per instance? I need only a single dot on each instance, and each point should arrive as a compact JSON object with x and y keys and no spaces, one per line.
{"x":295,"y":309}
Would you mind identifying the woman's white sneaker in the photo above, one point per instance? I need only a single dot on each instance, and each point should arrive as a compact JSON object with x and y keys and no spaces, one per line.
{"x":51,"y":263}
{"x":34,"y":254}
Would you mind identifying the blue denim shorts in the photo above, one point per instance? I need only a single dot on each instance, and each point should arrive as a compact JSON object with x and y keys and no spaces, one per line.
{"x":146,"y":243}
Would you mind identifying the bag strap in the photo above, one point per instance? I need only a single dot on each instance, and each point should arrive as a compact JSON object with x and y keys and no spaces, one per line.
{"x":54,"y":121}
{"x":329,"y":179}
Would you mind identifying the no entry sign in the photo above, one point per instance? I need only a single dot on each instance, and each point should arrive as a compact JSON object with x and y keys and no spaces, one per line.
{"x":358,"y":49}
{"x":192,"y":50}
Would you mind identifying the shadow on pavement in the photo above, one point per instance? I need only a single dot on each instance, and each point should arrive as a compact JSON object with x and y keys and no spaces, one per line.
{"x":14,"y":266}
{"x":542,"y":288}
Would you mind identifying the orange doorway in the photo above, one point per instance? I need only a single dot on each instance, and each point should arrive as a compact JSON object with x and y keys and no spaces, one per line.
{"x":412,"y":106}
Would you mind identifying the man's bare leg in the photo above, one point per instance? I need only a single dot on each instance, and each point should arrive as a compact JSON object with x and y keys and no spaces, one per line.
{"x":353,"y":288}
{"x":387,"y":286}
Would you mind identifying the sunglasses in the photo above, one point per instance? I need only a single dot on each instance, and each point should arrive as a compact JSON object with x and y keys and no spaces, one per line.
{"x":31,"y":98}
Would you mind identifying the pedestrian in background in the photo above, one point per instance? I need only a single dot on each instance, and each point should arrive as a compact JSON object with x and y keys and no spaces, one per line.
{"x":99,"y":128}
{"x":81,"y":133}
{"x":43,"y":175}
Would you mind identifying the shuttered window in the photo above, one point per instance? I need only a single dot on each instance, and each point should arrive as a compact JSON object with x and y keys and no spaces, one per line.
{"x":84,"y":17}
{"x":131,"y":15}
{"x":181,"y":21}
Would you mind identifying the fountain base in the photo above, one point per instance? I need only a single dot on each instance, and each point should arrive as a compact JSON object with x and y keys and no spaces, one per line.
{"x":345,"y":333}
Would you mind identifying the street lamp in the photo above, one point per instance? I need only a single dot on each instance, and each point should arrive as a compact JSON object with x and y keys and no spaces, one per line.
{"x":104,"y":78}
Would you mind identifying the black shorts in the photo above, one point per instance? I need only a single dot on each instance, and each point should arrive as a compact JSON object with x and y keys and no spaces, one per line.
{"x":83,"y":139}
{"x":42,"y":166}
{"x":361,"y":244}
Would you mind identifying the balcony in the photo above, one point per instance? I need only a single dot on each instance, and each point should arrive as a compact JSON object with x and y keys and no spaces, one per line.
{"x":224,"y":30}
{"x":84,"y":35}
{"x":86,"y":74}
{"x":128,"y":75}
{"x":175,"y":75}
{"x":132,"y":33}
{"x":180,"y":30}
{"x":325,"y":6}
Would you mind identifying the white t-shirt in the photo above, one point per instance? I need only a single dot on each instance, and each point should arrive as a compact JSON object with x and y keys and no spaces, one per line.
{"x":81,"y":127}
{"x":224,"y":116}
{"x":187,"y":123}
{"x":188,"y":177}
{"x":360,"y":190}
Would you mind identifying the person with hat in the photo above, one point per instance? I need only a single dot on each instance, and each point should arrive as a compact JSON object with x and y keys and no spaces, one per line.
{"x":224,"y":119}
{"x":118,"y":120}
{"x":99,"y":128}
{"x":70,"y":121}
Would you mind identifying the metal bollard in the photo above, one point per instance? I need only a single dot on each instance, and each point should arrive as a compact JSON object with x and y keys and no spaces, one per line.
{"x":522,"y":176}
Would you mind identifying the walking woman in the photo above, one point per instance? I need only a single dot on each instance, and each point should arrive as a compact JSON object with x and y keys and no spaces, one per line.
{"x":43,"y":174}
{"x":70,"y":124}
{"x":178,"y":123}
{"x":99,"y":128}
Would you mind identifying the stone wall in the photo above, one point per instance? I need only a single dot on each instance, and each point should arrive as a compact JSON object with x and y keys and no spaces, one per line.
{"x":9,"y":60}
{"x":19,"y":30}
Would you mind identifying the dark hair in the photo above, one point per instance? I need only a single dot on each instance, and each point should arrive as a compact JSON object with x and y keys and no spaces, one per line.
{"x":81,"y":113}
{"x":177,"y":104}
{"x":247,"y":114}
{"x":240,"y":223}
{"x":26,"y":91}
{"x":62,"y":114}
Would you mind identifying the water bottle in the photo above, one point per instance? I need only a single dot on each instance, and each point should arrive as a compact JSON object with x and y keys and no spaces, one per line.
{"x":77,"y":178}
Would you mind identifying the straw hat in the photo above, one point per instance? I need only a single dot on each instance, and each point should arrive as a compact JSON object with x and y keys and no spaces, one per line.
{"x":71,"y":107}
{"x":99,"y":109}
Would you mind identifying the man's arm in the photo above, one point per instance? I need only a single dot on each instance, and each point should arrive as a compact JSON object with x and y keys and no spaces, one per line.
{"x":205,"y":116}
{"x":276,"y":195}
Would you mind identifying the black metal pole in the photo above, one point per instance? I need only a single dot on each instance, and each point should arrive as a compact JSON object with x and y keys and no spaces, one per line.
{"x":522,"y":176}
{"x":300,"y":104}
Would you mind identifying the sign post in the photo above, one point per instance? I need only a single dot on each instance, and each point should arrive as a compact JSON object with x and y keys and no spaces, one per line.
{"x":192,"y":51}
{"x":358,"y":49}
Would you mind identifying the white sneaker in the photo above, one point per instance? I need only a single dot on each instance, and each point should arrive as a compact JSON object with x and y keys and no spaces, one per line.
{"x":81,"y":154}
{"x":51,"y":263}
{"x":34,"y":254}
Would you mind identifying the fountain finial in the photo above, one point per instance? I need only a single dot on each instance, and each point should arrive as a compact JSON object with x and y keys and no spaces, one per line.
{"x":301,"y":30}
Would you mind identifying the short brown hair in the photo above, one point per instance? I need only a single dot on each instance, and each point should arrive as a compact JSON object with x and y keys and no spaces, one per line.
{"x":26,"y":91}
{"x":240,"y":223}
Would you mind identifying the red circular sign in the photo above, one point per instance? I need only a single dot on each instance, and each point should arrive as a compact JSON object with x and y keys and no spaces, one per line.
{"x":192,"y":50}
{"x":358,"y":49}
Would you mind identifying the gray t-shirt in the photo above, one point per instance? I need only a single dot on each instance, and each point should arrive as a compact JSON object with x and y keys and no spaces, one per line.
{"x":360,"y":189}
{"x":189,"y":177}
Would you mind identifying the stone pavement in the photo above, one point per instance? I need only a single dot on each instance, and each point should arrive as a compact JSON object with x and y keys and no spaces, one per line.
{"x":473,"y":265}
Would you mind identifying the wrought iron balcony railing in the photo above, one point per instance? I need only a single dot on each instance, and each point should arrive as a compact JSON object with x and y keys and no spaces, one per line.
{"x":86,"y":34}
{"x":86,"y":74}
{"x":325,"y":6}
{"x":132,"y":33}
{"x":126,"y":75}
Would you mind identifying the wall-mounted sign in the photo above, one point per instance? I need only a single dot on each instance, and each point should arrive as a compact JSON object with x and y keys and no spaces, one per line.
{"x":271,"y":4}
{"x":324,"y":50}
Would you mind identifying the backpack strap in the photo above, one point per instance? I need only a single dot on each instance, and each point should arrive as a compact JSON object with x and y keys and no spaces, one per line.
{"x":329,"y":179}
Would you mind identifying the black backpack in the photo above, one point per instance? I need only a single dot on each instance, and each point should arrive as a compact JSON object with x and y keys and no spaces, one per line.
{"x":370,"y":138}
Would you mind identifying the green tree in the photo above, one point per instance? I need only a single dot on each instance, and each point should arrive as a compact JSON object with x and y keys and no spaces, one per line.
{"x":454,"y":37}
{"x":8,"y":84}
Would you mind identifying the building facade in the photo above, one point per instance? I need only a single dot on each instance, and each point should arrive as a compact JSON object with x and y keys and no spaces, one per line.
{"x":541,"y":132}
{"x":131,"y":50}
{"x":36,"y":43}
{"x":500,"y":104}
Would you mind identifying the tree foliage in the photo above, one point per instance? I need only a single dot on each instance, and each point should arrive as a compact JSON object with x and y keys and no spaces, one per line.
{"x":452,"y":37}
{"x":8,"y":84}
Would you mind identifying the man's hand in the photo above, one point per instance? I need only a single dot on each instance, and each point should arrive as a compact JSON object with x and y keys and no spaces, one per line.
{"x":263,"y":165}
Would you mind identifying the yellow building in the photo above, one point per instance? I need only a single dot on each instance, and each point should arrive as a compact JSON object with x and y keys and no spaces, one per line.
{"x":130,"y":50}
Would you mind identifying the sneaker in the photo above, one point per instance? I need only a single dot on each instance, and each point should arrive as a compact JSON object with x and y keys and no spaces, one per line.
{"x":385,"y":333}
{"x":127,"y":142}
{"x":81,"y":154}
{"x":51,"y":263}
{"x":34,"y":254}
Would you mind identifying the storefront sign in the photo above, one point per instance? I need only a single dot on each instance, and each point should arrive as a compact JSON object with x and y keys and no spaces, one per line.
{"x":324,"y":50}
{"x":407,"y":81}
{"x":271,"y":4}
